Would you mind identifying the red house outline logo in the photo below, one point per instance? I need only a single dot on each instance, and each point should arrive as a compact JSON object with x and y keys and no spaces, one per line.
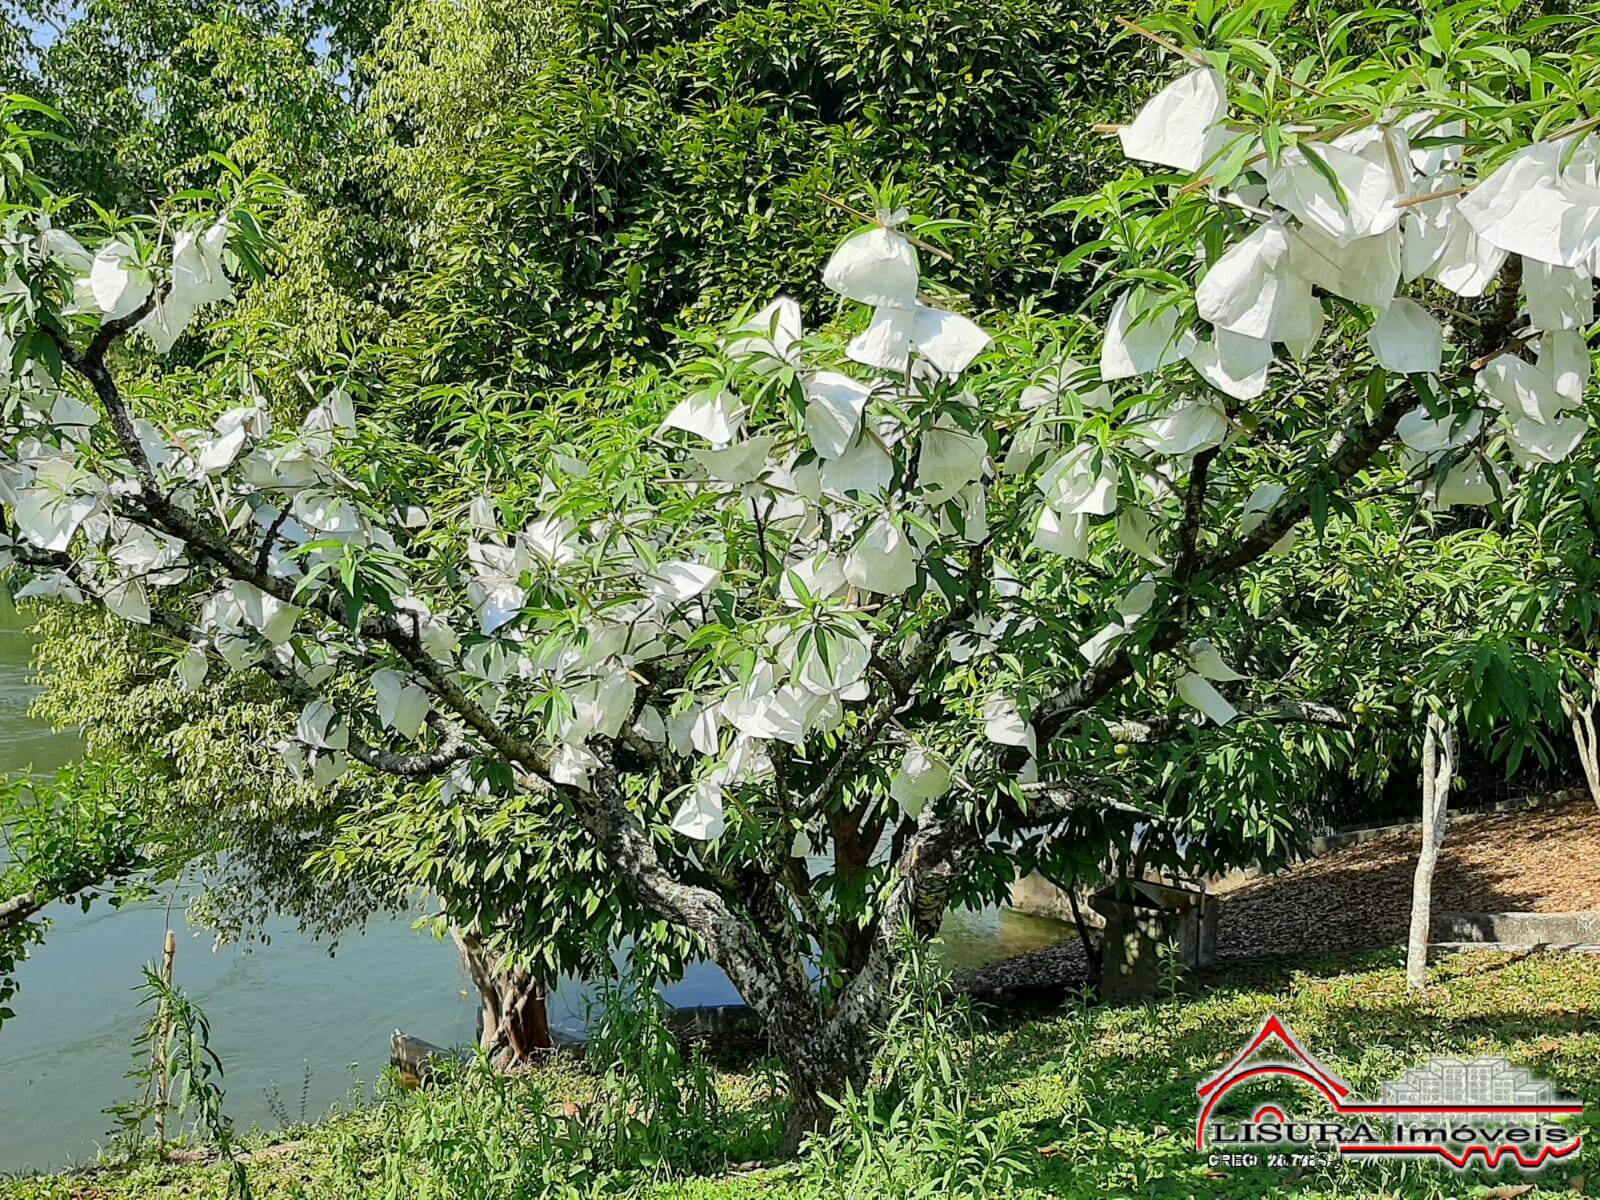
{"x":1302,"y":1067}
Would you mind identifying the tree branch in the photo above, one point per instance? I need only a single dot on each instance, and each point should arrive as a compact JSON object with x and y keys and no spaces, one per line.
{"x":653,"y":754}
{"x":1347,"y":455}
{"x":26,"y":905}
{"x":91,"y":365}
{"x":764,"y":981}
{"x":20,"y":907}
{"x":902,"y":678}
{"x":1194,"y":507}
{"x":200,"y":540}
{"x":1308,"y":712}
{"x":1051,"y":801}
{"x":935,"y":857}
{"x":264,"y":555}
{"x":452,"y":750}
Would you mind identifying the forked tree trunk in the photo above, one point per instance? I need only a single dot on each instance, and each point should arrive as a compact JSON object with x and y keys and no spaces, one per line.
{"x":1438,"y":767}
{"x":1580,"y":711}
{"x":764,"y":955}
{"x":826,"y":1058}
{"x":514,"y":1025}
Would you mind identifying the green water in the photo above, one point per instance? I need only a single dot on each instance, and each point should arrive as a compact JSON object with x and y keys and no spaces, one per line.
{"x":296,"y":1028}
{"x":24,"y":744}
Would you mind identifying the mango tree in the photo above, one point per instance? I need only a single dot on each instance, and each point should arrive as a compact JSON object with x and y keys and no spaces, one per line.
{"x":892,"y":596}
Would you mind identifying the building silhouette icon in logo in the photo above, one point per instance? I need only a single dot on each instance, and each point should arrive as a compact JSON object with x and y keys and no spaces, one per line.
{"x":1469,"y":1082}
{"x":1459,"y":1110}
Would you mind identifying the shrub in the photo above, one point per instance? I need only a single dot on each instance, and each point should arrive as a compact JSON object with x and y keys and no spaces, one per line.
{"x":916,"y":1130}
{"x":480,"y":1133}
{"x":654,"y":1105}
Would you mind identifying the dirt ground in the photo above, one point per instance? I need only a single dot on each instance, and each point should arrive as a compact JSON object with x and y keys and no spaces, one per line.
{"x":1545,"y":859}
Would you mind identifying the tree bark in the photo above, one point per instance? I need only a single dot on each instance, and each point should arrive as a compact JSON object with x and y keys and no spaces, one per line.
{"x":19,"y":908}
{"x":1581,"y":711}
{"x":513,"y":1026}
{"x":817,"y":1074}
{"x":1438,"y":766}
{"x":1093,"y":951}
{"x":26,"y":905}
{"x":825,"y":1059}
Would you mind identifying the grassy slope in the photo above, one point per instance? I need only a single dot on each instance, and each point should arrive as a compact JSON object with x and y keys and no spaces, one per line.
{"x":1107,"y":1094}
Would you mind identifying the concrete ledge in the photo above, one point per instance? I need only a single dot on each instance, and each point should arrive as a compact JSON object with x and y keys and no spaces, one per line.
{"x":1519,"y":928}
{"x":711,"y":1022}
{"x":1038,"y":897}
{"x":1507,"y":948}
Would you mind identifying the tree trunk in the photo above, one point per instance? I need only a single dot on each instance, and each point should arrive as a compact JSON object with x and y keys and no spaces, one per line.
{"x":1093,"y":951}
{"x":813,"y":1080}
{"x":826,"y":1066}
{"x":513,"y":1025}
{"x":749,"y":932}
{"x":1438,"y":767}
{"x":823,"y":1055}
{"x":825,"y":1060}
{"x":1580,"y":711}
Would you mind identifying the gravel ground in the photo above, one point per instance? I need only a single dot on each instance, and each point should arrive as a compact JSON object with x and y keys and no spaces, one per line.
{"x":1542,"y":860}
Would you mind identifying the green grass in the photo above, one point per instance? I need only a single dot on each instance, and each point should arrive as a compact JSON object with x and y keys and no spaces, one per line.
{"x":1104,"y":1096}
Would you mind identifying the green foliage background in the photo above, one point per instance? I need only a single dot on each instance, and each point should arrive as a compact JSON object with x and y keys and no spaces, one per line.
{"x":583,"y":178}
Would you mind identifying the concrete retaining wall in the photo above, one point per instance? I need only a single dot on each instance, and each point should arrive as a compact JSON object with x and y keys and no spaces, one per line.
{"x":1519,"y":928}
{"x":1038,"y":897}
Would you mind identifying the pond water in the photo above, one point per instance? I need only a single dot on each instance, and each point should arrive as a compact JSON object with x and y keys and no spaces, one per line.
{"x":296,"y":1028}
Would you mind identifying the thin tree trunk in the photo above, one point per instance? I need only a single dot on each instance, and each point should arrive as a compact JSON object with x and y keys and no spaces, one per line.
{"x":1438,"y":767}
{"x":853,"y":848}
{"x":1581,"y":713}
{"x":1093,"y":952}
{"x":514,"y":1026}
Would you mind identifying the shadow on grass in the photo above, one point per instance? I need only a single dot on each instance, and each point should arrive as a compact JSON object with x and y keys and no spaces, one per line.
{"x":1108,"y":1092}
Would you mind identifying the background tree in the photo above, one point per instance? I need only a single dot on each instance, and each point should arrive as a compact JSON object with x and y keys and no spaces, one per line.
{"x":67,"y":839}
{"x":584,"y":179}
